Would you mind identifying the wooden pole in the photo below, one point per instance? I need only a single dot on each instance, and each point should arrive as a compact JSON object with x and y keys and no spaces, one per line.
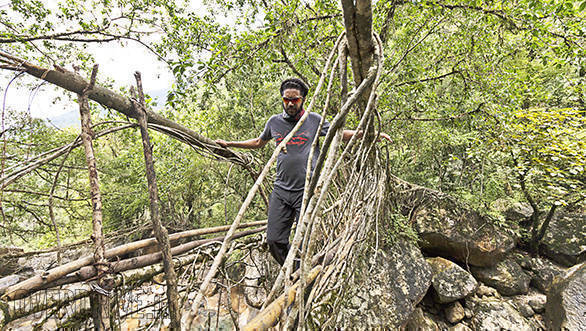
{"x":160,"y":231}
{"x":99,"y":300}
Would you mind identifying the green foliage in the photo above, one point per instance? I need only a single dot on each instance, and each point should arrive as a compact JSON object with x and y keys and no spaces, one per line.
{"x":548,"y":146}
{"x":473,"y":94}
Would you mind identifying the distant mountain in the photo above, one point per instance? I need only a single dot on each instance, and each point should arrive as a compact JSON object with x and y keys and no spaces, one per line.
{"x":65,"y":120}
{"x":71,"y":118}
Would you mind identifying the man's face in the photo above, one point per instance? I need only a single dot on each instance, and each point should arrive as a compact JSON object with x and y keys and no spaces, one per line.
{"x":292,"y":101}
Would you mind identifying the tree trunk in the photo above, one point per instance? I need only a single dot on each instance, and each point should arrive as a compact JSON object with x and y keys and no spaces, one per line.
{"x":109,"y":99}
{"x":361,"y":47}
{"x":358,"y":23}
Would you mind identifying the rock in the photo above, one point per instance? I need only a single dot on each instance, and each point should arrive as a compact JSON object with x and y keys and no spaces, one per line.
{"x":455,"y":312}
{"x":521,"y":257}
{"x":468,"y":313}
{"x":9,"y":266}
{"x":488,"y":291}
{"x":420,"y":322}
{"x":449,"y":229}
{"x":565,"y":239}
{"x":565,"y":308}
{"x":260,"y":266}
{"x":530,"y":303}
{"x":525,"y":309}
{"x":519,"y":211}
{"x":386,"y":296}
{"x":542,"y":273}
{"x":494,"y":314}
{"x":10,"y":250}
{"x":538,"y":304}
{"x":507,"y":277}
{"x":450,"y":281}
{"x":460,"y":327}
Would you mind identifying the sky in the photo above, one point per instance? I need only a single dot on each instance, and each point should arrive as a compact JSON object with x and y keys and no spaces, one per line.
{"x":115,"y":61}
{"x":27,"y":94}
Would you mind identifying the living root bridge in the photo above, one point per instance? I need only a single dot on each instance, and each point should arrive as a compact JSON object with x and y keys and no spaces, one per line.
{"x":125,"y":281}
{"x":59,"y":275}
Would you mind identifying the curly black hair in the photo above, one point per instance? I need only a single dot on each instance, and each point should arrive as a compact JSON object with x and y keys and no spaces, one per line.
{"x":295,"y":83}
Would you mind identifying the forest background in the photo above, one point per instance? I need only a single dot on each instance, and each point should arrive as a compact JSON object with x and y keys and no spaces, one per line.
{"x":484,"y":100}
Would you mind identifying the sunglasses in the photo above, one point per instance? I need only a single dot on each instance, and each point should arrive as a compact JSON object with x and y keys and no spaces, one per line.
{"x":293,"y":100}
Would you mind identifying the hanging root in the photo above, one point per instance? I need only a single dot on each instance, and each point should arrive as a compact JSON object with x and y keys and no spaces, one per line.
{"x":338,"y":218}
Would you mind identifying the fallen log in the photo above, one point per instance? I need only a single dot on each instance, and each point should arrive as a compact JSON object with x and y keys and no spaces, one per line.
{"x":34,"y":283}
{"x":146,"y":260}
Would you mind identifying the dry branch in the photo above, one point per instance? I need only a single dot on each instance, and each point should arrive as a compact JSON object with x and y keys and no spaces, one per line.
{"x":109,"y":99}
{"x":160,"y":231}
{"x":32,"y":164}
{"x":100,"y":303}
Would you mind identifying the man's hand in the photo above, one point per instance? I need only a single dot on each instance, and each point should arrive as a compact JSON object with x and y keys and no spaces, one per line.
{"x":384,"y":136}
{"x":222,"y":143}
{"x":347,"y":135}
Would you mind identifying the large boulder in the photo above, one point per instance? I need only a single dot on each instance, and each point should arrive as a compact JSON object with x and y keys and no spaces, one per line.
{"x":566,"y":301}
{"x":542,"y":273}
{"x":565,"y":239}
{"x":494,"y":314}
{"x":507,"y":277}
{"x":420,"y":321}
{"x":518,"y":212}
{"x":260,"y":267}
{"x":8,"y":281}
{"x":386,"y":296}
{"x":450,"y":229}
{"x":450,"y":281}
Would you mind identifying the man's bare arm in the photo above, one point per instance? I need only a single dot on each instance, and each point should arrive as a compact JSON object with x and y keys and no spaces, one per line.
{"x":249,"y":144}
{"x":347,"y":135}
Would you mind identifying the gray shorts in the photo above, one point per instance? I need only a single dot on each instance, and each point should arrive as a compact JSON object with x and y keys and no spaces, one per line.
{"x":284,"y":209}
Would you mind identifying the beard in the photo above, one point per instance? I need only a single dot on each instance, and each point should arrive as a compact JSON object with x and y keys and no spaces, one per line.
{"x":291,"y":113}
{"x":293,"y":110}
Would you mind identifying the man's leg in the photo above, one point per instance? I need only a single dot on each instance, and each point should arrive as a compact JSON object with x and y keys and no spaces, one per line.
{"x":296,"y":200}
{"x":279,"y":225}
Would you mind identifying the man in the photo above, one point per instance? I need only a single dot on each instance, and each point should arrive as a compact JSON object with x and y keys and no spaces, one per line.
{"x":285,"y":201}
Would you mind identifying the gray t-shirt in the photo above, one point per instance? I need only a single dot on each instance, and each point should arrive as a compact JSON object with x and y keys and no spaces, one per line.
{"x":291,"y":167}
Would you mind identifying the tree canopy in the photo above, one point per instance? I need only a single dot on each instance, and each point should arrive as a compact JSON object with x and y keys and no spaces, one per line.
{"x":483,"y":99}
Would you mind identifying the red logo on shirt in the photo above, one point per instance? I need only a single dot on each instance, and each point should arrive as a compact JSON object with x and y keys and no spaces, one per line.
{"x":298,"y":139}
